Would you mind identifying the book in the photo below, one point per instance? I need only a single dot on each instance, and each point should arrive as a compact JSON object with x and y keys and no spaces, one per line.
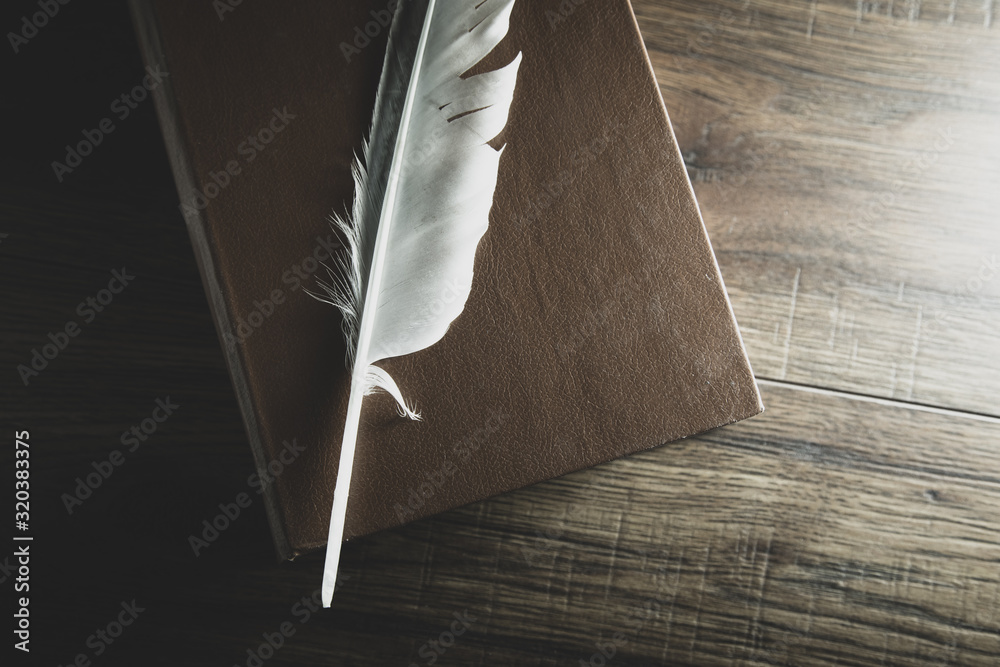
{"x":598,"y":324}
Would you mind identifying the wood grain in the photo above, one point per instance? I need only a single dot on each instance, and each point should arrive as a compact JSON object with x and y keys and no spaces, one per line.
{"x":854,"y":523}
{"x":846,"y":157}
{"x":757,"y":544}
{"x":822,"y":534}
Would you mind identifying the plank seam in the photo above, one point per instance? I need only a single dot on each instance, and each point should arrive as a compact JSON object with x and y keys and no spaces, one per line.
{"x":896,"y":403}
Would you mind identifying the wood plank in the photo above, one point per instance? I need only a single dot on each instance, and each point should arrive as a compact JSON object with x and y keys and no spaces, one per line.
{"x":830,"y":530}
{"x":846,"y":156}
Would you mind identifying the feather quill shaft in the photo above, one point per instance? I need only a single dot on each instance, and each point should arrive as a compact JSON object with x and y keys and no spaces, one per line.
{"x":417,"y":220}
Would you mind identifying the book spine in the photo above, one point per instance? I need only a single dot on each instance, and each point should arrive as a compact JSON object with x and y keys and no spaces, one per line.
{"x":175,"y":137}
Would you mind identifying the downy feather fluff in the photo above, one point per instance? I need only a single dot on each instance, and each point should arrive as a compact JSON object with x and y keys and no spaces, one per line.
{"x":422,"y":203}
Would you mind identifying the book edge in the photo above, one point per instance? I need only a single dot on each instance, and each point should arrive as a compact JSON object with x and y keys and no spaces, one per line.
{"x":704,"y":230}
{"x":146,"y":27}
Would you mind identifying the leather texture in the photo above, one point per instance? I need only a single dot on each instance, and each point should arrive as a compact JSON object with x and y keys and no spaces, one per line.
{"x":598,"y":323}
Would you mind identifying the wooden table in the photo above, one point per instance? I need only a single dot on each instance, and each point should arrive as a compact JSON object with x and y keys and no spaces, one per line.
{"x":847,"y":159}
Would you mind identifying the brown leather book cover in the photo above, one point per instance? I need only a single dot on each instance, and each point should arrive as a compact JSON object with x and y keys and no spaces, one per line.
{"x":598,"y":324}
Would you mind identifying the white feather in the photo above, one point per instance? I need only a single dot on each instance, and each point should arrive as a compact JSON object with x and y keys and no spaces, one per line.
{"x":422,"y":203}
